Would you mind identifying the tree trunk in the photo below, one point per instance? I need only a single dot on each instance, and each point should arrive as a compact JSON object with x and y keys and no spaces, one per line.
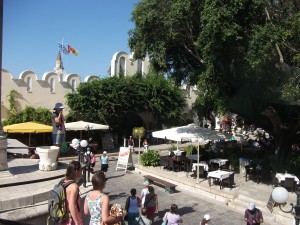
{"x":284,"y":148}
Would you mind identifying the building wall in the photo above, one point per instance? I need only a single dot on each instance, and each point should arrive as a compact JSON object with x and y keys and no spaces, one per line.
{"x":130,"y":66}
{"x":40,"y":94}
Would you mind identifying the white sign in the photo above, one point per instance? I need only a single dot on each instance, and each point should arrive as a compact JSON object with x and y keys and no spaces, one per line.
{"x":125,"y":157}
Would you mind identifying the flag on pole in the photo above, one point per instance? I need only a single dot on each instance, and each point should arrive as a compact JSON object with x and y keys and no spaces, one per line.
{"x":72,"y":50}
{"x":63,"y":49}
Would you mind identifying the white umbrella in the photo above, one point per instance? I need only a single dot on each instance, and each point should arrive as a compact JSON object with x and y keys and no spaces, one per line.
{"x":189,"y":132}
{"x":192,"y":133}
{"x":82,"y":125}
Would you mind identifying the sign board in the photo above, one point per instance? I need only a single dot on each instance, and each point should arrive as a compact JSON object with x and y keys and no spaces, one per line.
{"x":125,"y":157}
{"x":271,"y":203}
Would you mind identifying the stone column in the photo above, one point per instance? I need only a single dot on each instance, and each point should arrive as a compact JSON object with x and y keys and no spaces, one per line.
{"x":3,"y":140}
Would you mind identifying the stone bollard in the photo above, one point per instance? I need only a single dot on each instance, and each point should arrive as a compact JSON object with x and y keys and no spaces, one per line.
{"x":48,"y":155}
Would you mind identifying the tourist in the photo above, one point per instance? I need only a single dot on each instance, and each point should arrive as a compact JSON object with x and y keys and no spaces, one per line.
{"x":173,"y":217}
{"x":151,"y":203}
{"x":131,"y":144}
{"x":144,"y":192}
{"x":205,"y":220}
{"x":143,"y":220}
{"x":253,"y":216}
{"x":96,"y":203}
{"x":104,"y":159}
{"x":58,"y":124}
{"x":72,"y":194}
{"x":132,"y":206}
{"x":91,"y":159}
{"x":146,"y":145}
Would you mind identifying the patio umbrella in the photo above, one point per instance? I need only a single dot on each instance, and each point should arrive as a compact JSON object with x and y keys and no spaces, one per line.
{"x":82,"y":125}
{"x":192,"y":133}
{"x":28,"y":127}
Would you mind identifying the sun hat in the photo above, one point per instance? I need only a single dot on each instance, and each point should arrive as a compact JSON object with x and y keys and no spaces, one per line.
{"x":251,"y":206}
{"x":206,"y":217}
{"x":105,"y":152}
{"x":59,"y":105}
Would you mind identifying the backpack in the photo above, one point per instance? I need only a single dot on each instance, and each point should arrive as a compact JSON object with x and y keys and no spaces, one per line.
{"x":57,"y":203}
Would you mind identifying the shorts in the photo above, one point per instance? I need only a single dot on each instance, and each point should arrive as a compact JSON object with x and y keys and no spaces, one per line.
{"x":58,"y":138}
{"x":104,"y":167}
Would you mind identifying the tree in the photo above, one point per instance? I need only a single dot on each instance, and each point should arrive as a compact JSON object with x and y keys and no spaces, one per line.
{"x":108,"y":100}
{"x":40,"y":115}
{"x":244,"y":56}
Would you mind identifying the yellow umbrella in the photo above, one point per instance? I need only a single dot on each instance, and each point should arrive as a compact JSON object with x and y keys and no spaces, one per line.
{"x":28,"y":127}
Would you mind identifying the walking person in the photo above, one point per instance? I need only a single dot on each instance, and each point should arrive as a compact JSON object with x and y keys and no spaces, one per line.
{"x":132,"y":206}
{"x":58,"y":124}
{"x":131,"y":144}
{"x":151,"y":203}
{"x":253,"y":216}
{"x":146,"y":145}
{"x":144,"y":192}
{"x":173,"y":217}
{"x":96,"y":203}
{"x":104,"y":159}
{"x":205,"y":220}
{"x":72,"y":194}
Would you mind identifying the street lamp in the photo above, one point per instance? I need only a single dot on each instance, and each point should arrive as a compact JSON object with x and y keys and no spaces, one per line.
{"x":280,"y":196}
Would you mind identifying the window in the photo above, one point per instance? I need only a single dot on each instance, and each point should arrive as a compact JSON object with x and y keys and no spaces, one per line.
{"x":73,"y":85}
{"x":29,"y":84}
{"x":139,"y":66}
{"x":52,"y":85}
{"x":122,"y":67}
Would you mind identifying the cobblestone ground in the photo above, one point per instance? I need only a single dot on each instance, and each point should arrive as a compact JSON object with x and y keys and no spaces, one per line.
{"x":192,"y":206}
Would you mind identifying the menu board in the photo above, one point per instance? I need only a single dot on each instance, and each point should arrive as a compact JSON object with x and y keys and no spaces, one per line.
{"x":124,"y":158}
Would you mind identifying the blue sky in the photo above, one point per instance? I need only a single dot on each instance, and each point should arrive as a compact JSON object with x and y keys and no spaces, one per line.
{"x":33,"y":28}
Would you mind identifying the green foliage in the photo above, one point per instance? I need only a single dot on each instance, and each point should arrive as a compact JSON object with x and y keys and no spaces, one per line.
{"x":189,"y":149}
{"x":243,"y":55}
{"x":150,"y":158}
{"x":12,"y":102}
{"x":293,"y":166}
{"x":108,"y":100}
{"x":40,"y":115}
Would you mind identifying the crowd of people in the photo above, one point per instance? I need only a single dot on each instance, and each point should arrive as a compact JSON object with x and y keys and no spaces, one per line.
{"x":139,"y":210}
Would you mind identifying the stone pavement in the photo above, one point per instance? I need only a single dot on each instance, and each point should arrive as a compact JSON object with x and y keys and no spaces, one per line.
{"x":26,"y":202}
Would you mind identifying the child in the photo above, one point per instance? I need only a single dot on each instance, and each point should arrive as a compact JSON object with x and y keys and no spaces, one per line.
{"x":143,"y":220}
{"x":91,"y":157}
{"x":96,"y":203}
{"x":104,"y":162}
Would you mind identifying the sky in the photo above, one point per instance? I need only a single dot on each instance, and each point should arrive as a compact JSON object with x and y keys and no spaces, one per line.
{"x":32,"y":30}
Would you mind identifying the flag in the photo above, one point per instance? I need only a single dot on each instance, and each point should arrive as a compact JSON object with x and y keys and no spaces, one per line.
{"x":63,"y":49}
{"x":72,"y":50}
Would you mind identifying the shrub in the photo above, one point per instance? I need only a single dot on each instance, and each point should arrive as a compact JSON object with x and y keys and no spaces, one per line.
{"x":150,"y":158}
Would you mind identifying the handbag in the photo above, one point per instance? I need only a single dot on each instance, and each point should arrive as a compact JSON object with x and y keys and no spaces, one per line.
{"x":165,"y":222}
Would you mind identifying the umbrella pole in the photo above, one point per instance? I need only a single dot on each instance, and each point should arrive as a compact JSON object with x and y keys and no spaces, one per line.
{"x":29,"y":140}
{"x":198,"y":152}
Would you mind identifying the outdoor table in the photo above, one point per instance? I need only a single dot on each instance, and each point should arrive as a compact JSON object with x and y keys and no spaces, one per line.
{"x":178,"y":152}
{"x":195,"y":165}
{"x":218,"y":175}
{"x":220,"y":162}
{"x":281,"y":177}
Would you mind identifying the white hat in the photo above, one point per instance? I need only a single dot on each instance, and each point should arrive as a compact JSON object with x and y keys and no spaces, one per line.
{"x":58,"y":105}
{"x":146,"y":183}
{"x":251,"y":206}
{"x":206,"y":217}
{"x":105,"y":152}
